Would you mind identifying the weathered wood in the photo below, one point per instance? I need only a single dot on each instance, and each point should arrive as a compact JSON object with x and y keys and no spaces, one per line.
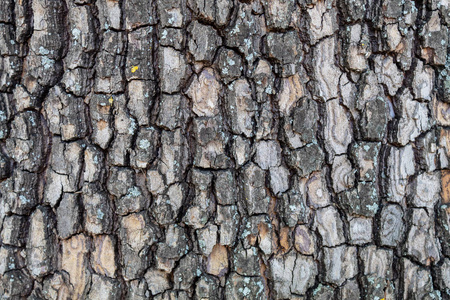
{"x":224,"y":149}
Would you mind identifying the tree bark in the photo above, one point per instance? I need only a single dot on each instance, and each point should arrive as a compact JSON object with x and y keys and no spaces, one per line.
{"x":224,"y":149}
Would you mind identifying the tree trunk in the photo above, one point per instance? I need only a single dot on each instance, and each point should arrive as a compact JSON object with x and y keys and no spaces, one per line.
{"x":224,"y":149}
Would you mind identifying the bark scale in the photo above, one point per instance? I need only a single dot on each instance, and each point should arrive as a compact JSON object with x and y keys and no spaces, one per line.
{"x":224,"y":149}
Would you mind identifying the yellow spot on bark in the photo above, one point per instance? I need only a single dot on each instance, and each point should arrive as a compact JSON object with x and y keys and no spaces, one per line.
{"x":134,"y":69}
{"x":111,"y":100}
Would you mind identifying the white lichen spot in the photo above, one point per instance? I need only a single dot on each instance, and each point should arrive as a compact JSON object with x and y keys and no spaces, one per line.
{"x":76,"y":33}
{"x":134,"y":191}
{"x":373,"y":207}
{"x":132,"y":127}
{"x":100,"y":214}
{"x":47,"y":62}
{"x":144,"y":144}
{"x":319,"y":193}
{"x":23,"y":199}
{"x":246,"y":291}
{"x":43,"y":51}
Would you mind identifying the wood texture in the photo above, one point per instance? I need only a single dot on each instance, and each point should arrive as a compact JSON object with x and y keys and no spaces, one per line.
{"x":224,"y":149}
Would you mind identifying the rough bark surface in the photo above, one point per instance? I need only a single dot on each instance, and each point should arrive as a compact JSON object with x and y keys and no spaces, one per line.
{"x":224,"y":149}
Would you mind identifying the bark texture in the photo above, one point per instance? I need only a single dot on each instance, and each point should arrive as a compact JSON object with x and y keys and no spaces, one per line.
{"x":224,"y":149}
